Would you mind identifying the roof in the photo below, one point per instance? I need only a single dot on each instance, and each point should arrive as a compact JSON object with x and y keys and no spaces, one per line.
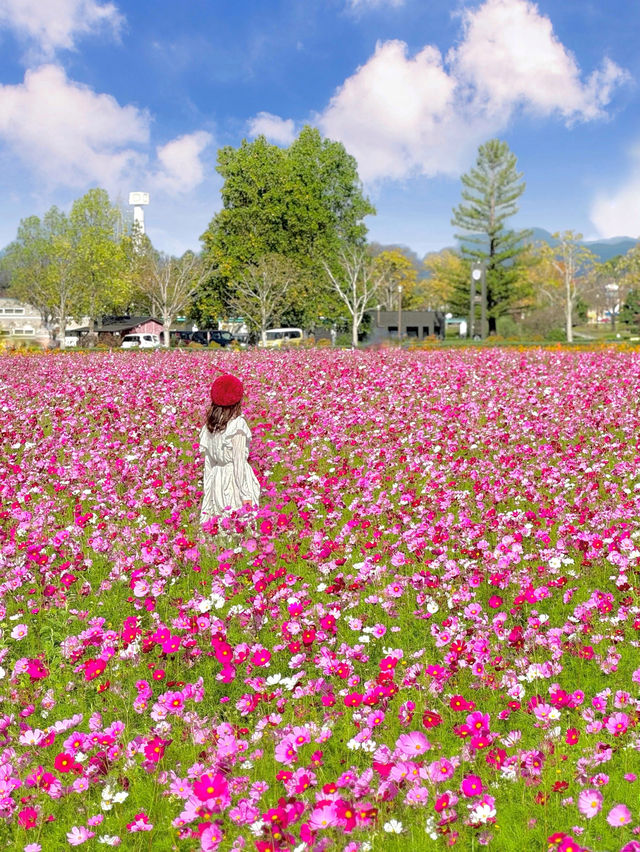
{"x":126,"y":324}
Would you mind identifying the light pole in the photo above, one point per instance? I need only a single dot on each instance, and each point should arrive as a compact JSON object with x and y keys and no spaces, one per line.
{"x":611,"y":290}
{"x":478,"y":275}
{"x":400,"y":313}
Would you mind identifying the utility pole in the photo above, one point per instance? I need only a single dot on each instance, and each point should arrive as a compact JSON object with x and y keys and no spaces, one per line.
{"x":400,"y":313}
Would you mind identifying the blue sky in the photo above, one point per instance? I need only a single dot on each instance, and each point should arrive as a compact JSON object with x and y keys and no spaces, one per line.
{"x":140,"y":95}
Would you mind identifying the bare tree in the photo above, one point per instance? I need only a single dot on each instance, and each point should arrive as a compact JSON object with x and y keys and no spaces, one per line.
{"x":261,"y":294}
{"x":355,"y":281}
{"x":169,"y":283}
{"x":570,"y":260}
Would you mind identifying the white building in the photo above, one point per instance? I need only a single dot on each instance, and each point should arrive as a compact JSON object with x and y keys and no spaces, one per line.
{"x":21,"y":321}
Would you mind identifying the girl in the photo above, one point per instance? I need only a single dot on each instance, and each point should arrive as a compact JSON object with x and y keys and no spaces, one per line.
{"x":229,"y":481}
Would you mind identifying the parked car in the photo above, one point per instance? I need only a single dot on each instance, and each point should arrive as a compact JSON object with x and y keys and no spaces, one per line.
{"x":180,"y":338}
{"x":279,"y":337}
{"x":212,"y":335}
{"x":140,"y":341}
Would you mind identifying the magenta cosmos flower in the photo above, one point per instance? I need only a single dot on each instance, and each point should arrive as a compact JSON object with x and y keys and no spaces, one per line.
{"x":471,"y":786}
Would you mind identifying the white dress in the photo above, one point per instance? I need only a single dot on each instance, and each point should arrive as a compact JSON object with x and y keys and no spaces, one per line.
{"x":229,"y":482}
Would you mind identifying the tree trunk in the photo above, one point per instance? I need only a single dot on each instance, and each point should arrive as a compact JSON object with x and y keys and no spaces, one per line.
{"x":63,"y":331}
{"x":354,"y":332}
{"x":569,"y":317}
{"x":166,"y":334}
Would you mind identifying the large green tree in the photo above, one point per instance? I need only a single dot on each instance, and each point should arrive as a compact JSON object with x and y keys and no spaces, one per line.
{"x":303,"y":203}
{"x":40,"y":266}
{"x":99,"y":260}
{"x":70,"y":266}
{"x":490,"y":192}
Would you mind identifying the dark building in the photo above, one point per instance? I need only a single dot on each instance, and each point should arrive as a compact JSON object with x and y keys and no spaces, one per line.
{"x":416,"y":325}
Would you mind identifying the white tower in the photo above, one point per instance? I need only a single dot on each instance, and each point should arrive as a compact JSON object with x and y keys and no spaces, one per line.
{"x":139,"y":200}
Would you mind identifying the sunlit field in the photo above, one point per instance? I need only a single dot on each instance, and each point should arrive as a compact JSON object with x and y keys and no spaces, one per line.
{"x":426,"y":636}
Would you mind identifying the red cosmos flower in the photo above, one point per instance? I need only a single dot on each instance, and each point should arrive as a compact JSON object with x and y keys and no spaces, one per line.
{"x":496,"y":757}
{"x":63,"y":762}
{"x":354,"y":699}
{"x":308,"y":637}
{"x":460,"y":704}
{"x":346,"y":813}
{"x":388,"y":664}
{"x":431,"y":719}
{"x":284,"y":775}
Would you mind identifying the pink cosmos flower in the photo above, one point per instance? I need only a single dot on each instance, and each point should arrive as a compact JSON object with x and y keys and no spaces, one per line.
{"x":79,"y":835}
{"x":619,"y":815}
{"x":323,"y":817}
{"x":589,"y":802}
{"x":412,"y":744}
{"x":286,"y":751}
{"x":441,"y":770}
{"x":617,"y":724}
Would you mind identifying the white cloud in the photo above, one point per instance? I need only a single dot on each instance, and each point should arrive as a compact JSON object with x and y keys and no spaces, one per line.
{"x":510,"y":55}
{"x":618,"y":213}
{"x":181,"y":168}
{"x":278,"y":130}
{"x":67,"y":133}
{"x":392,"y":114}
{"x":52,"y":25}
{"x":402,"y":115}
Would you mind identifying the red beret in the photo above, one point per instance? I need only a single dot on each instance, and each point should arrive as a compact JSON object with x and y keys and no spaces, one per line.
{"x":226,"y":390}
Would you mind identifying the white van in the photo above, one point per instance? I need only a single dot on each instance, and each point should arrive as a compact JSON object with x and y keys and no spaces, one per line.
{"x":279,"y":337}
{"x":140,"y":341}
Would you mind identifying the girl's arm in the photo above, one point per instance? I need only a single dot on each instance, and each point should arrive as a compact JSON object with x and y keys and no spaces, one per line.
{"x":239,"y":444}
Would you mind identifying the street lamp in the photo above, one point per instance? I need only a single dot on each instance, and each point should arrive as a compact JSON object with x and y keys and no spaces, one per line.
{"x":400,"y":313}
{"x":611,"y":290}
{"x":478,"y":275}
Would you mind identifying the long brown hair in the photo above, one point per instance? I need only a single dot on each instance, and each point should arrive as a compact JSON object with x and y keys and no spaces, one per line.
{"x":219,"y":415}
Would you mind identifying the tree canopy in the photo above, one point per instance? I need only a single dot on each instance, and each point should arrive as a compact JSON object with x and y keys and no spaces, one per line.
{"x":303,"y":203}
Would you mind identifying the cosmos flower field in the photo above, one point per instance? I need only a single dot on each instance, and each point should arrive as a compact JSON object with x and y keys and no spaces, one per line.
{"x":426,"y":636}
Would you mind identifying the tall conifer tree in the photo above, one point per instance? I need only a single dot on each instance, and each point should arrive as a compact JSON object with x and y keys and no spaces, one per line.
{"x":490,"y":191}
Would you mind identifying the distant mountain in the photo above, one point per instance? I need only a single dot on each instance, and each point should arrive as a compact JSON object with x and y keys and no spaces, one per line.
{"x":603,"y":249}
